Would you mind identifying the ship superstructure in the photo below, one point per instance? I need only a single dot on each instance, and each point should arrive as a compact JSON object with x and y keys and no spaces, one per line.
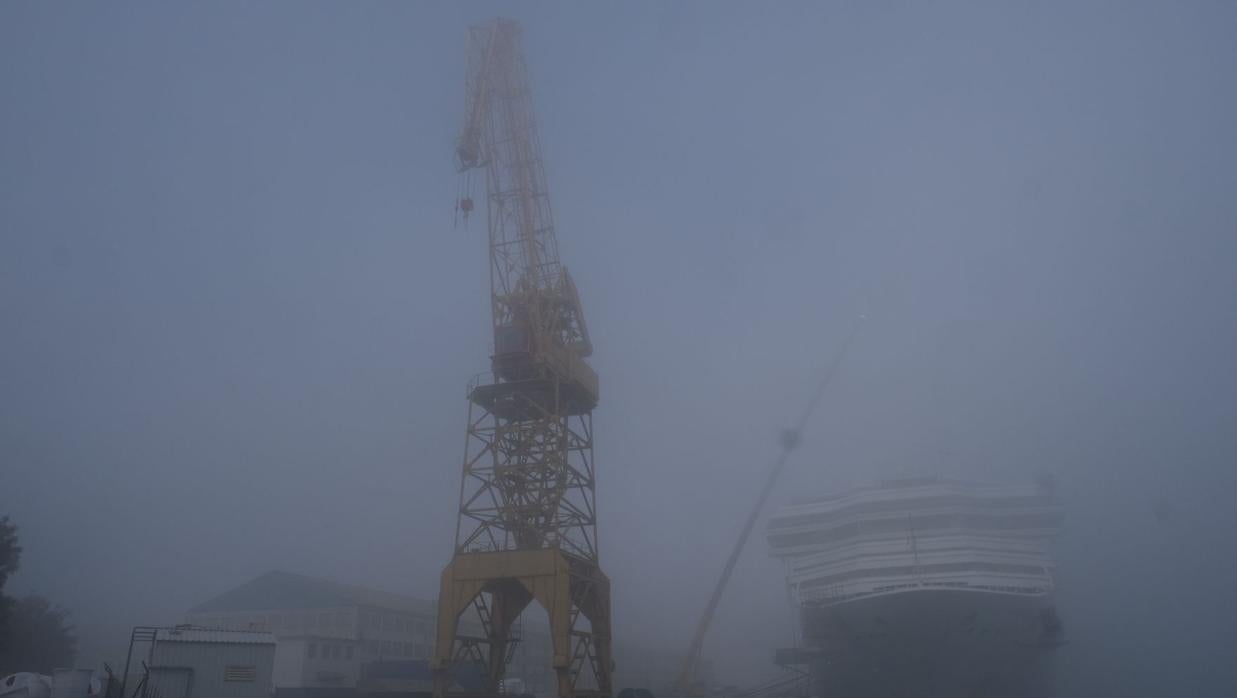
{"x":924,"y":587}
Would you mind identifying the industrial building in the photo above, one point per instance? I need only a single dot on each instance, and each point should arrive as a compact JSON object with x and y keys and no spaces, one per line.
{"x":326,"y":631}
{"x":336,"y":639}
{"x":331,"y":620}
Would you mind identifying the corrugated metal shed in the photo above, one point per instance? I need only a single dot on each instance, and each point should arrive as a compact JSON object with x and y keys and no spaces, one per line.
{"x":212,"y":635}
{"x":190,"y":662}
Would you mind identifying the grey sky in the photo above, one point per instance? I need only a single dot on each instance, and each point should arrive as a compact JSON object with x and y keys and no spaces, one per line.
{"x":237,"y":323}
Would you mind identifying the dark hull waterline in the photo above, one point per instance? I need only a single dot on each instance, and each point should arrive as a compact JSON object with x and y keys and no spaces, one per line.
{"x":933,"y":643}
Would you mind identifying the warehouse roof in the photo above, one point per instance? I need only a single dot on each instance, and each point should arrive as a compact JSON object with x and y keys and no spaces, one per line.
{"x":278,"y":590}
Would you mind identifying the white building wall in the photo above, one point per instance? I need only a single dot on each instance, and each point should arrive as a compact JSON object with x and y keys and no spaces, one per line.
{"x":394,"y":635}
{"x":328,"y":622}
{"x":374,"y":634}
{"x":289,"y":670}
{"x":312,"y":662}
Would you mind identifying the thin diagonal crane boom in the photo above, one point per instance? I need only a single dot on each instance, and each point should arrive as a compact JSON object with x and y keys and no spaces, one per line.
{"x":790,"y":440}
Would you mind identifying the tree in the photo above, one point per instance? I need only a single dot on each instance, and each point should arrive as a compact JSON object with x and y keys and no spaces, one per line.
{"x":38,"y":638}
{"x":34,"y":634}
{"x":10,"y":559}
{"x":10,"y":551}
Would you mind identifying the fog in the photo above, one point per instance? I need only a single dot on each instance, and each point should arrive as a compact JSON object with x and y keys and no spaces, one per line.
{"x":238,"y":320}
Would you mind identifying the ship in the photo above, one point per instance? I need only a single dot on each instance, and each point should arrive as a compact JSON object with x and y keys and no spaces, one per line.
{"x":924,"y":588}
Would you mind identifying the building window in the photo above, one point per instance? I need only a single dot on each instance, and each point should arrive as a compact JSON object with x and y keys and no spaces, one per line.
{"x":240,"y":672}
{"x":374,"y":647}
{"x":420,"y":651}
{"x":348,"y":652}
{"x":312,"y":650}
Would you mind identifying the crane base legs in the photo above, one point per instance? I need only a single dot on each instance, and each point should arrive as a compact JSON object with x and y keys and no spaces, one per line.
{"x":499,"y":585}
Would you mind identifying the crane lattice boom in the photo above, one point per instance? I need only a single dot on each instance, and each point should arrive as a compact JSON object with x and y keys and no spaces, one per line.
{"x":534,"y":298}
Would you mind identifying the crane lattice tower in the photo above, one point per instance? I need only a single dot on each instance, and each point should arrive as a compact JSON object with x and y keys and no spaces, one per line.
{"x":527,"y":526}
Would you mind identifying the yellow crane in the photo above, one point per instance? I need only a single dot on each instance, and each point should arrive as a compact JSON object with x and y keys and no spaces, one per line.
{"x":527,"y":524}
